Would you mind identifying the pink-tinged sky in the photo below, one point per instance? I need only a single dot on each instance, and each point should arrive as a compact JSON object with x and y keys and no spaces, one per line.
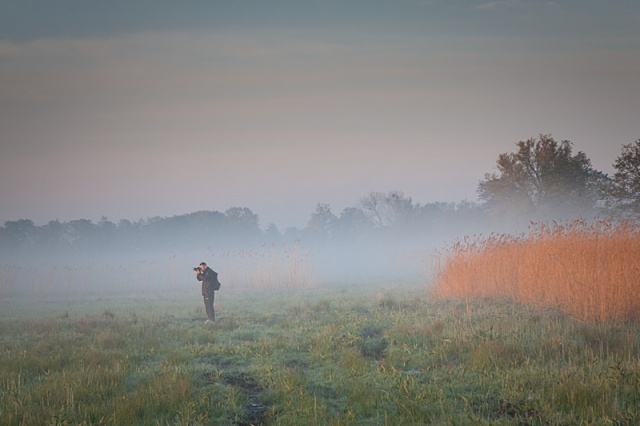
{"x":160,"y":109}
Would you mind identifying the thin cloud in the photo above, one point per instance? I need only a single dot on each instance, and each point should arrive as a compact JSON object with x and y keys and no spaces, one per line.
{"x":515,"y":5}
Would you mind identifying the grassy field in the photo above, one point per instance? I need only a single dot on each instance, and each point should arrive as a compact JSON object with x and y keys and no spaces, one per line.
{"x":362,"y":355}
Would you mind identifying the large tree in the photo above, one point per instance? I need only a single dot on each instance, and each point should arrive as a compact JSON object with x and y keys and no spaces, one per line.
{"x":543,"y":179}
{"x":626,"y":182}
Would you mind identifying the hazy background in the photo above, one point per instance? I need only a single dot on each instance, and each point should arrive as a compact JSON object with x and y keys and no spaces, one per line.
{"x":153,"y":108}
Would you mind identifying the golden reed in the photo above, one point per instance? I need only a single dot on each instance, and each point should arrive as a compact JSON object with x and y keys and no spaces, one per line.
{"x":590,"y":270}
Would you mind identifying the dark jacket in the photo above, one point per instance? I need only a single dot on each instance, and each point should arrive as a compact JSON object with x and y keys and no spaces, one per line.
{"x":209,"y":280}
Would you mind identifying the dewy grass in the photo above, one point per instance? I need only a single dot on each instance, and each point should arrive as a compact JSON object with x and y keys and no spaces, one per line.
{"x":331,"y":356}
{"x":589,"y":270}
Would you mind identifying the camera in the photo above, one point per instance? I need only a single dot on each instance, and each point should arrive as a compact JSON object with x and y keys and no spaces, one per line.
{"x":197,"y":268}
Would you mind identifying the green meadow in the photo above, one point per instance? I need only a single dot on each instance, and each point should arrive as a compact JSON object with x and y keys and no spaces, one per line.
{"x":380,"y":354}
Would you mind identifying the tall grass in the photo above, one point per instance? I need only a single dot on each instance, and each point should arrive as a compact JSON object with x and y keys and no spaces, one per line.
{"x":589,"y":270}
{"x":268,"y":267}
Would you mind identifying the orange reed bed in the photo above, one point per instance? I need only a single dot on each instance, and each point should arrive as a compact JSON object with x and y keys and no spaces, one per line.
{"x":591,"y":271}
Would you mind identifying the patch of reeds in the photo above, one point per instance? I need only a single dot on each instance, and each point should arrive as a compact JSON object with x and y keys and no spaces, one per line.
{"x":589,"y":270}
{"x":268,"y":267}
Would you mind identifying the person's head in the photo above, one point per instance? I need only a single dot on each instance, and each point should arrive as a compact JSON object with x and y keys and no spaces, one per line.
{"x":203,"y":266}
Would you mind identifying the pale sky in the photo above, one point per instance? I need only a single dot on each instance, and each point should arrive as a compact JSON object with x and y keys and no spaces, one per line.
{"x":133,"y":110}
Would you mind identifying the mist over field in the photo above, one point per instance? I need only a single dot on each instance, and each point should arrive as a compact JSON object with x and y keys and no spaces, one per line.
{"x":387,"y":238}
{"x":153,"y":258}
{"x":147,"y":256}
{"x":82,"y":258}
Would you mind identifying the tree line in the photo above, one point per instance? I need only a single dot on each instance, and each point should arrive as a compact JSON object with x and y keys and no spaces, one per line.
{"x":542,"y":180}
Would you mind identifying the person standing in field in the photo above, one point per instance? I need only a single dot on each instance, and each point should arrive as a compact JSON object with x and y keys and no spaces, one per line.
{"x":210,"y":284}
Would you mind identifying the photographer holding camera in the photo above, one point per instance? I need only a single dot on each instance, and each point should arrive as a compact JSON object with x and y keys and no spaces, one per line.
{"x":210,"y":284}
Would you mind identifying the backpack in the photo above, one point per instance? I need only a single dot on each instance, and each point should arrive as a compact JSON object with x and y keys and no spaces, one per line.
{"x":216,"y":282}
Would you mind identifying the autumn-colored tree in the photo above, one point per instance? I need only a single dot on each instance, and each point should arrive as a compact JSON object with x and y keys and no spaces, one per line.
{"x":543,"y":179}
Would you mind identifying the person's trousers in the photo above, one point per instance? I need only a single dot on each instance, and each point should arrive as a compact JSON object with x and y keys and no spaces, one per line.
{"x":208,"y":305}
